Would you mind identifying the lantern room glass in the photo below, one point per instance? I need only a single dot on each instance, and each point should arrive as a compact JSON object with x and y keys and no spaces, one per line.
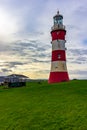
{"x":58,"y":20}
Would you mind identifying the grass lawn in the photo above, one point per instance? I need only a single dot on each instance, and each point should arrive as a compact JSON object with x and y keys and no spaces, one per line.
{"x":44,"y":106}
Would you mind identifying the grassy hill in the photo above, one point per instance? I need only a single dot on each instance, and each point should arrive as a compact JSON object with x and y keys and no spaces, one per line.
{"x":44,"y":106}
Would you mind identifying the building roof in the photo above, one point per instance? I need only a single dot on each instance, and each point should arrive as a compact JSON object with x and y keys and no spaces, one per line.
{"x":18,"y":75}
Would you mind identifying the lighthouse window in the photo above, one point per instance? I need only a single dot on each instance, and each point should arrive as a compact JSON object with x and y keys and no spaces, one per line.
{"x":60,"y":21}
{"x":59,"y":56}
{"x":55,"y":21}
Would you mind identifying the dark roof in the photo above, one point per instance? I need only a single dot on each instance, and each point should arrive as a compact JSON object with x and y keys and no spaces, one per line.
{"x":18,"y":75}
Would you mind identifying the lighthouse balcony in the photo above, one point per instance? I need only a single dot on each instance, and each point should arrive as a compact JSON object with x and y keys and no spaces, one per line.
{"x":58,"y":27}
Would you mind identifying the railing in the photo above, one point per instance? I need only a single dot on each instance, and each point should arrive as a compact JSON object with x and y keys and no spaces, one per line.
{"x":56,"y":27}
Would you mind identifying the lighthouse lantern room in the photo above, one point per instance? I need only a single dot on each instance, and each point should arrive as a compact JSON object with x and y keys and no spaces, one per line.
{"x":58,"y":71}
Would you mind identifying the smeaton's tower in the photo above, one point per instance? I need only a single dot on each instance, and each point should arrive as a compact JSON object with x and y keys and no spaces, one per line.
{"x":58,"y":60}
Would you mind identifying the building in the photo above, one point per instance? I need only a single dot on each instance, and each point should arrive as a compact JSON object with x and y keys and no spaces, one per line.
{"x":16,"y":80}
{"x":58,"y":71}
{"x":2,"y":78}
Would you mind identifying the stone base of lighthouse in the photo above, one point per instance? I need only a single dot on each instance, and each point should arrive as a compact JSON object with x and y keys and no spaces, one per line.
{"x":56,"y":77}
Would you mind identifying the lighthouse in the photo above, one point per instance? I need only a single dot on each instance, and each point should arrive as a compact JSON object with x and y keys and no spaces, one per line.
{"x":58,"y":71}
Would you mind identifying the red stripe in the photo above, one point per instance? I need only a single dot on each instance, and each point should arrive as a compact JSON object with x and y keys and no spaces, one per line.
{"x":58,"y":55}
{"x":58,"y":34}
{"x":56,"y":77}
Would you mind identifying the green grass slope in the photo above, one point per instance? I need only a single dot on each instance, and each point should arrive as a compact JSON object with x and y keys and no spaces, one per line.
{"x":44,"y":106}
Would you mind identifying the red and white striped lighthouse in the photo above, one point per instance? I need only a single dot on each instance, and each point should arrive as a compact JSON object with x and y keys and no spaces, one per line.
{"x":58,"y":61}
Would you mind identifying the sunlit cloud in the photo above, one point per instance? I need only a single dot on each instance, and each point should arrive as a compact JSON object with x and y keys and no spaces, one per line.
{"x":8,"y":26}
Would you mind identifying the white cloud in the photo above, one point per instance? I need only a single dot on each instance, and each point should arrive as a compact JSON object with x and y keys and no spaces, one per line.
{"x":8,"y":25}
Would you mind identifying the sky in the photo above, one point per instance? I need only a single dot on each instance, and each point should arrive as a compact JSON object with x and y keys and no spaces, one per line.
{"x":25,"y":40}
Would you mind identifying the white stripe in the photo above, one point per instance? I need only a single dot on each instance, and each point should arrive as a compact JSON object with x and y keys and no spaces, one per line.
{"x":58,"y":66}
{"x":58,"y":45}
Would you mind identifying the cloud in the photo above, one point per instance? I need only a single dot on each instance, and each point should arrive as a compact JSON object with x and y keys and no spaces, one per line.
{"x":77,"y":56}
{"x":27,"y":56}
{"x":14,"y":64}
{"x":4,"y":47}
{"x":79,"y":74}
{"x":8,"y":25}
{"x":33,"y":49}
{"x":6,"y":70}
